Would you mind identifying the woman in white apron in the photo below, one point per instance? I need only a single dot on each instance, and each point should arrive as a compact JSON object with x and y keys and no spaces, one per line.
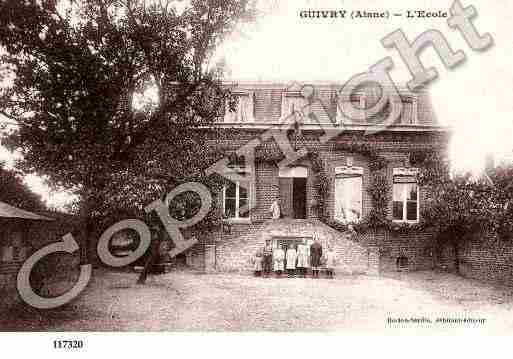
{"x":291,"y":261}
{"x":279,"y":259}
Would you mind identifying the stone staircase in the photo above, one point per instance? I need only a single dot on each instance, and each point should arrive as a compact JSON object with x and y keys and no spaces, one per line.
{"x":352,"y":256}
{"x":234,"y":251}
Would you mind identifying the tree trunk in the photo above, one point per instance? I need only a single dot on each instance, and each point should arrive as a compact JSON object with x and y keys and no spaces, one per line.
{"x":456,"y":258}
{"x":91,"y":198}
{"x":455,"y":241}
{"x":150,"y":261}
{"x":86,"y":230}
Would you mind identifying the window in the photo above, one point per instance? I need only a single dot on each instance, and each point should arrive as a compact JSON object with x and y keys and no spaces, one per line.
{"x":236,"y":200}
{"x":237,"y":163}
{"x":242,"y":111}
{"x":6,"y":253}
{"x":348,"y":194}
{"x":267,"y":104}
{"x":17,"y":246}
{"x":410,"y":111}
{"x":405,"y":195}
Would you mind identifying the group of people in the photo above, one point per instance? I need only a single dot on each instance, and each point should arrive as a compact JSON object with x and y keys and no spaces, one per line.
{"x":294,"y":259}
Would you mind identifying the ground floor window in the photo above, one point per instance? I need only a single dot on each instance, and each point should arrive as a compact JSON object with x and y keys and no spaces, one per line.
{"x":13,"y":246}
{"x":236,"y":200}
{"x":348,"y":194}
{"x":405,"y":196}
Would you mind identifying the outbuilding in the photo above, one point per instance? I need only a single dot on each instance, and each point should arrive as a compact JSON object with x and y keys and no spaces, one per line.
{"x":15,"y":246}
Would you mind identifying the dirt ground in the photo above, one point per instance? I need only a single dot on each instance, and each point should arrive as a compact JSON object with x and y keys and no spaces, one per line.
{"x":189,"y":301}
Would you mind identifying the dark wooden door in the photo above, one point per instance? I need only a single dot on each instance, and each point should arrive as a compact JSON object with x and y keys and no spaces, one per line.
{"x":299,"y":197}
{"x":286,"y":194}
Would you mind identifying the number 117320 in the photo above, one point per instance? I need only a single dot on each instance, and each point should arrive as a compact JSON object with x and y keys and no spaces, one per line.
{"x":68,"y":344}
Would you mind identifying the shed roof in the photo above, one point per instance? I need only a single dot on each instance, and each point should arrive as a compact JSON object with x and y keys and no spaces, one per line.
{"x":8,"y":211}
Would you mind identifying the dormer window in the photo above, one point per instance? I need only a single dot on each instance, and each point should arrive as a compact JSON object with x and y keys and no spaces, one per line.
{"x":410,"y":111}
{"x":356,"y":112}
{"x":362,"y":102}
{"x":243,"y":111}
{"x":267,"y":104}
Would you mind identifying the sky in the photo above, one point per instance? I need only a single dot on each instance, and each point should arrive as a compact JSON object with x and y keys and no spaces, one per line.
{"x":474,"y":99}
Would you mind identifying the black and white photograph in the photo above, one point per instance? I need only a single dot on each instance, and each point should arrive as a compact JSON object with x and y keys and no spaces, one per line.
{"x":266,"y":170}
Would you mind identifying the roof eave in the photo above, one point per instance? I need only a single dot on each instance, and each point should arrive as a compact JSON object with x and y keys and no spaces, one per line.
{"x":348,"y":127}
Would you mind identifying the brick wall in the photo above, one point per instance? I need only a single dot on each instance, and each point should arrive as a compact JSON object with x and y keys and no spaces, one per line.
{"x":234,"y":250}
{"x":487,"y":258}
{"x":418,"y":248}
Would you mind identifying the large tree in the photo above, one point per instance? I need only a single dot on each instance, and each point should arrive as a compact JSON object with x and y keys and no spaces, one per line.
{"x":74,"y":69}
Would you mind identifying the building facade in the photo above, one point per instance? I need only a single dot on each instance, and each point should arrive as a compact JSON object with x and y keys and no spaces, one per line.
{"x":318,"y":150}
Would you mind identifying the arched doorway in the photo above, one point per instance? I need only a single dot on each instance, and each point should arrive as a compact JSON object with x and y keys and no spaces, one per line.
{"x":292,"y":182}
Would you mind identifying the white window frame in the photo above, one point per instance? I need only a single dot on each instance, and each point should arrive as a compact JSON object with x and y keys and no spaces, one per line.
{"x":237,"y":217}
{"x":244,"y":110}
{"x":415,"y":111}
{"x":406,"y":172}
{"x":362,"y":101}
{"x":340,"y":172}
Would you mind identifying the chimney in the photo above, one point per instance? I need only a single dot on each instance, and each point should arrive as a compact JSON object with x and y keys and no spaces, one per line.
{"x":489,"y":163}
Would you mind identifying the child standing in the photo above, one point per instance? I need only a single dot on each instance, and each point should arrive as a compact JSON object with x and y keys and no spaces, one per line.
{"x":257,"y":262}
{"x":330,"y":262}
{"x":302,"y":259}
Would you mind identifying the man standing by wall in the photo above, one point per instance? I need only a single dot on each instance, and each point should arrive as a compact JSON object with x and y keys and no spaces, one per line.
{"x":315,"y":257}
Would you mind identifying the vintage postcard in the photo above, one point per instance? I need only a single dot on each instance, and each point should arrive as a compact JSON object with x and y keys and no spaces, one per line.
{"x":267,"y":170}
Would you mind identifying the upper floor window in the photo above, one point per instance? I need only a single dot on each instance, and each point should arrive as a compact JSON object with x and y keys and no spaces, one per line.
{"x":348,"y":194}
{"x":405,"y":195}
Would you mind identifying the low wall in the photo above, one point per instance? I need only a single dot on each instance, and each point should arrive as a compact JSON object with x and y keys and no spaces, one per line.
{"x":487,"y":258}
{"x":417,"y":247}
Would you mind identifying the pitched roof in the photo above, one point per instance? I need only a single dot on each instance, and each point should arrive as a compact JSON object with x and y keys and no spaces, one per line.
{"x":8,"y":211}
